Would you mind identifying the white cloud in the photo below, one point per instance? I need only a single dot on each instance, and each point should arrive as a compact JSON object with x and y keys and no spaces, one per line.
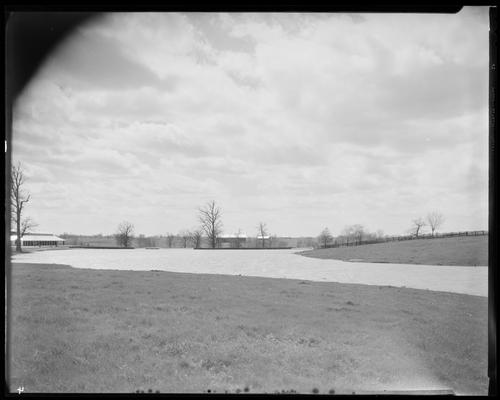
{"x":303,"y":120}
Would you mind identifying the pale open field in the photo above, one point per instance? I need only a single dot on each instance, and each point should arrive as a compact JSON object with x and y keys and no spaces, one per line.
{"x":463,"y":250}
{"x":272,"y":264}
{"x":78,"y":330}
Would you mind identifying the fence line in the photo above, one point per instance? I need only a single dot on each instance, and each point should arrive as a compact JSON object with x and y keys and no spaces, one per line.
{"x":355,"y":242}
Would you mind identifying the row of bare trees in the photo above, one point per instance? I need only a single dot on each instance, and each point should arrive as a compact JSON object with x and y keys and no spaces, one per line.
{"x":210,"y":218}
{"x":355,"y":234}
{"x":125,"y":235}
{"x":434,"y":220}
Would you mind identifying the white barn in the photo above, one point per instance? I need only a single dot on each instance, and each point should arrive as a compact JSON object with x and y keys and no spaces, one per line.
{"x":37,"y":240}
{"x":232,"y":241}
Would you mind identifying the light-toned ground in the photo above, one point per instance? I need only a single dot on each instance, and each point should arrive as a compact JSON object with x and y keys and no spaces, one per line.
{"x":77,"y":330}
{"x":463,"y":250}
{"x":272,"y":264}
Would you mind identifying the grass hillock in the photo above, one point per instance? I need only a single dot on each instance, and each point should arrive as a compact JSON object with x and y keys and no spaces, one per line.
{"x":462,"y":250}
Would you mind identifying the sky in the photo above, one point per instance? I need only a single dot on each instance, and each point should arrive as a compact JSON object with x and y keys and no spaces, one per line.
{"x":301,"y":121}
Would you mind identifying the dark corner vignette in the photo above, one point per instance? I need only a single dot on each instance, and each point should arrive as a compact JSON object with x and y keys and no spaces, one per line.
{"x":28,"y":41}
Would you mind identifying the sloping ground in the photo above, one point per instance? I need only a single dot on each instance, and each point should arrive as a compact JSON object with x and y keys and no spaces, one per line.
{"x":464,"y":250}
{"x":78,"y":330}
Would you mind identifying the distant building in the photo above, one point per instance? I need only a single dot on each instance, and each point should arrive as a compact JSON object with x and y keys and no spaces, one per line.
{"x":262,"y":240}
{"x":37,"y":240}
{"x":232,"y":241}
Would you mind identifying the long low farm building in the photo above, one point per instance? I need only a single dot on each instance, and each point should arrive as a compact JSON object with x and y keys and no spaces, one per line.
{"x":232,"y":241}
{"x":37,"y":240}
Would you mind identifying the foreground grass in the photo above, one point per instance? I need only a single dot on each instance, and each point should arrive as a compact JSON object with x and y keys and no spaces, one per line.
{"x":76,"y":330}
{"x":464,"y":250}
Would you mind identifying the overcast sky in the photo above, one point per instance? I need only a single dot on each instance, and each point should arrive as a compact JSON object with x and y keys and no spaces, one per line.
{"x":302,"y":121}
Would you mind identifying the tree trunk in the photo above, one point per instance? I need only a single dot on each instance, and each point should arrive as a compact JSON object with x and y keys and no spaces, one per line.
{"x":18,"y":227}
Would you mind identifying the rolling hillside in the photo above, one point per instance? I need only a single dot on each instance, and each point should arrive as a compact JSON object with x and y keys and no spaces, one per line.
{"x":464,"y":251}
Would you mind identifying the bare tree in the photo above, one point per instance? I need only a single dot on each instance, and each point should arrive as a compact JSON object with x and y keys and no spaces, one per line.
{"x":27,"y":225}
{"x":185,"y":236}
{"x":125,"y":234}
{"x":273,"y":240}
{"x":196,"y":236}
{"x":18,"y":199}
{"x":418,"y":224}
{"x":170,"y":239}
{"x":262,"y":232}
{"x":151,"y":241}
{"x":435,"y":220}
{"x":141,"y":241}
{"x":354,"y":233}
{"x":210,"y":218}
{"x":325,"y":237}
{"x":238,"y":235}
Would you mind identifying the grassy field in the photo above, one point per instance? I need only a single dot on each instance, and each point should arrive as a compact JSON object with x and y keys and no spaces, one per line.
{"x":77,"y":330}
{"x":464,"y":250}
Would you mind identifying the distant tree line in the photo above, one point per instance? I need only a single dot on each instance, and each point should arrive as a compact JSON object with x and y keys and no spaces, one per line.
{"x":208,"y":232}
{"x":356,"y":234}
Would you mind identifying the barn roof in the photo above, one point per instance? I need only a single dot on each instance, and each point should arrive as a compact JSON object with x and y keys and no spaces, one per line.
{"x":39,"y":237}
{"x":240,"y":236}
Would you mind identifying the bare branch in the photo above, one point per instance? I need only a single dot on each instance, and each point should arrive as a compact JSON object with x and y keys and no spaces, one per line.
{"x":435,"y":220}
{"x":325,"y":237}
{"x":185,"y":236}
{"x":170,"y":239}
{"x":17,"y":201}
{"x":210,"y":219}
{"x":196,"y":236}
{"x":262,"y":230}
{"x":27,"y":225}
{"x":354,"y":233}
{"x":418,"y":223}
{"x":124,"y":234}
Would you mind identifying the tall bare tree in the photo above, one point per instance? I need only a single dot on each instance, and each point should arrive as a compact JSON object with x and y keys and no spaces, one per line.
{"x":196,"y":236}
{"x":18,"y":199}
{"x":262,"y":231}
{"x":435,"y":220}
{"x":418,"y":224}
{"x":325,"y":237}
{"x":211,"y":222}
{"x":125,"y":234}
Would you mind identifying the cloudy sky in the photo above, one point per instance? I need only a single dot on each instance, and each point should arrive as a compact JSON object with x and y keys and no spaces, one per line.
{"x":298,"y":120}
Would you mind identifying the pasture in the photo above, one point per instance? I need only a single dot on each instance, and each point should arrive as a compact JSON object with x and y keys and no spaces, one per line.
{"x":460,"y":251}
{"x":80,"y":330}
